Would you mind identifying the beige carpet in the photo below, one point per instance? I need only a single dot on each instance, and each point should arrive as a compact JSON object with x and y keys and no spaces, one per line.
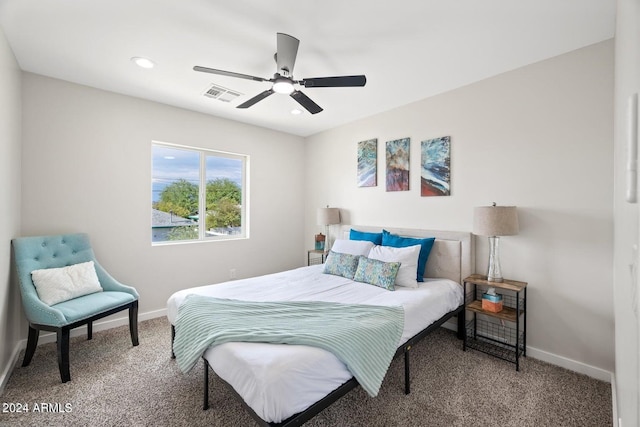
{"x":114,"y":384}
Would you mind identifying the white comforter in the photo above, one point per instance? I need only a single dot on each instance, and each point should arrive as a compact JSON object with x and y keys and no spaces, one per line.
{"x":277,"y":381}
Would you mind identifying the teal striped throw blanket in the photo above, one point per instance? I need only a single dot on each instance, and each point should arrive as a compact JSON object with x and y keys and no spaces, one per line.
{"x":363,"y":337}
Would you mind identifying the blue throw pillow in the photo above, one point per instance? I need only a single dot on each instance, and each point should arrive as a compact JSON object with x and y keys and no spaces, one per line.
{"x":426,"y":244}
{"x":376,"y":238}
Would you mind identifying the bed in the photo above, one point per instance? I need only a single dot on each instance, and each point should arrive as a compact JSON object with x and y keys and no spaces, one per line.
{"x":287,"y":385}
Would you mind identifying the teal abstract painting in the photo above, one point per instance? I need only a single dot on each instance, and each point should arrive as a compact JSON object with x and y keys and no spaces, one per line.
{"x":368,"y":163}
{"x":435,"y":174}
{"x":398,"y":164}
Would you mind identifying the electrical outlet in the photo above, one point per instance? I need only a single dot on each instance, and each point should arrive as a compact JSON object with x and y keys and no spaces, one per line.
{"x":232,"y":273}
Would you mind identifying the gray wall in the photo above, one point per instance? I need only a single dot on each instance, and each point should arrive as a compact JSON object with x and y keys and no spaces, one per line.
{"x":88,"y":168}
{"x":539,"y":137}
{"x":10,"y":116}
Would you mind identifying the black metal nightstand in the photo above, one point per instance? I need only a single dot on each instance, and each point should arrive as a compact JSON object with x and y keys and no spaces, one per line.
{"x":316,"y":256}
{"x":488,"y":332}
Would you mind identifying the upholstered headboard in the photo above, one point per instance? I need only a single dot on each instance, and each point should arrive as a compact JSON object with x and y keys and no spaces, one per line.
{"x":452,"y":256}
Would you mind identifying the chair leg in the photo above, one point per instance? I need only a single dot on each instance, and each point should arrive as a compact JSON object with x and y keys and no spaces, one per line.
{"x":63,"y":354}
{"x":89,"y":330}
{"x":32,"y":343}
{"x":133,"y":323}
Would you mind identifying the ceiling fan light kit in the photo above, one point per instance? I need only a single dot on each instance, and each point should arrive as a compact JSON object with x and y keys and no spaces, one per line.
{"x":283,"y":82}
{"x":283,"y":85}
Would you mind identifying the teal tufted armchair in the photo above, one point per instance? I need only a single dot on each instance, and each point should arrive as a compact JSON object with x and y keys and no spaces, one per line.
{"x":34,"y":253}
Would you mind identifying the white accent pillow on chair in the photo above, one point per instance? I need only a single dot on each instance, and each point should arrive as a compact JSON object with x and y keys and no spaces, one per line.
{"x":56,"y":285}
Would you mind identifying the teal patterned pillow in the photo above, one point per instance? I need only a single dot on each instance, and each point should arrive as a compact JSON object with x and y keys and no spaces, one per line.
{"x":339,"y":264}
{"x":377,"y":273}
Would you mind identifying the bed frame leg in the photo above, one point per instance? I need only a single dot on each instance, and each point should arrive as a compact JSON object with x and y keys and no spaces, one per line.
{"x":205,"y":404}
{"x":173,"y":338}
{"x":407,"y":379}
{"x":461,"y":325}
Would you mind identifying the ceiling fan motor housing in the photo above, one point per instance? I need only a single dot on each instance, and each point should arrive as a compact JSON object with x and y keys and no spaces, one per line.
{"x":283,"y":81}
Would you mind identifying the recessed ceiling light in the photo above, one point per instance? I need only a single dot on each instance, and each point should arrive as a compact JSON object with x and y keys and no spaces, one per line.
{"x":295,"y":111}
{"x":143,"y":62}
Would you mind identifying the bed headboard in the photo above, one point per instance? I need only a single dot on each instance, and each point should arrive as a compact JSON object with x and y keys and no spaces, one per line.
{"x":452,"y":256}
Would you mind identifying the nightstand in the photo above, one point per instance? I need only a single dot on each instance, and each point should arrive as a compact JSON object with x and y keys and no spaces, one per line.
{"x":316,"y":256}
{"x":502,"y":334}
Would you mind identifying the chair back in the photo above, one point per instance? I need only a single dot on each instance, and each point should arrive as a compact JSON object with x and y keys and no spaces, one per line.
{"x":34,"y":253}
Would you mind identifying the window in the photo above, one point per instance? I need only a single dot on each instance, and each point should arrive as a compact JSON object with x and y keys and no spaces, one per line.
{"x":197,"y":194}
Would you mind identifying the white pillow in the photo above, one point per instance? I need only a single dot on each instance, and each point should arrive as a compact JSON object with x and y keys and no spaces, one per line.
{"x":352,"y":247}
{"x":407,"y":256}
{"x":55,"y":285}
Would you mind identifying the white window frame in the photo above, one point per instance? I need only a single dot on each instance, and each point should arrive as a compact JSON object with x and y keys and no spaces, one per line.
{"x":202,"y":193}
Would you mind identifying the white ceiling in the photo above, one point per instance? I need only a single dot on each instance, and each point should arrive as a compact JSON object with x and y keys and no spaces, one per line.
{"x":408,"y":49}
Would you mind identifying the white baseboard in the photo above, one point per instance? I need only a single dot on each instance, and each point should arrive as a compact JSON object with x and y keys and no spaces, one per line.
{"x":50,"y":337}
{"x":6,"y":373}
{"x":554,"y":359}
{"x":451,"y":324}
{"x":614,"y":402}
{"x":570,"y":364}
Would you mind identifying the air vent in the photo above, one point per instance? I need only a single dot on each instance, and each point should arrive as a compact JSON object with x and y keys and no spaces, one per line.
{"x":221,"y":93}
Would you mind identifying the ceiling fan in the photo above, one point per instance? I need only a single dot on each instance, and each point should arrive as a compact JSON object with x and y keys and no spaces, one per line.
{"x":283,"y":81}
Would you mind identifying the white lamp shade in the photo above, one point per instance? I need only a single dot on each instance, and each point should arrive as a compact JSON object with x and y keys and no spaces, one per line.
{"x":328,"y":216}
{"x":495,"y":221}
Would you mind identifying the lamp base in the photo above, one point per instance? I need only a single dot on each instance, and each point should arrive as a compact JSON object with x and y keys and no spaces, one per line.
{"x":327,"y":243}
{"x":495,"y":272}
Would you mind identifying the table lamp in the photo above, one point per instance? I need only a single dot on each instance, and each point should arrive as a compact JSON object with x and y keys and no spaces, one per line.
{"x":328,"y":216}
{"x":495,"y":221}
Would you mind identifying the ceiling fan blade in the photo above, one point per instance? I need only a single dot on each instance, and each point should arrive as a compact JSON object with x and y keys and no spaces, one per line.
{"x":306,"y":102}
{"x":339,"y":81}
{"x":259,"y":97}
{"x":229,"y":74}
{"x":287,"y":52}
